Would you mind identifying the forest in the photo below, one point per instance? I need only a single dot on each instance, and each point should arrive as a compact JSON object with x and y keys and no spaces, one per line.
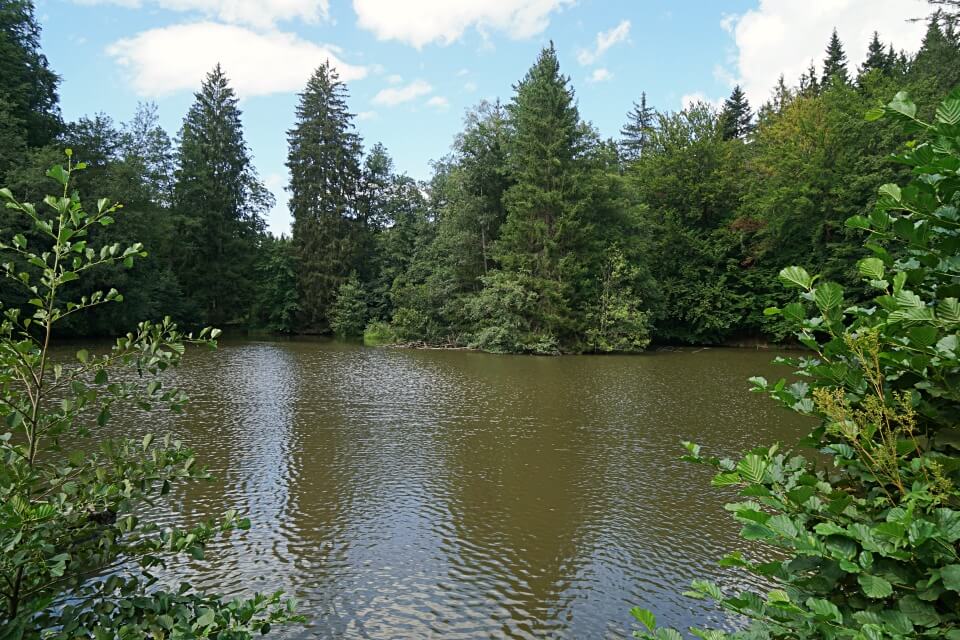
{"x":534,"y":235}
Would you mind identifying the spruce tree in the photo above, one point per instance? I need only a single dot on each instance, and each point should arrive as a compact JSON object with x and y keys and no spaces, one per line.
{"x":324,"y":163}
{"x":835,"y":64}
{"x":736,"y":117}
{"x":938,"y":57}
{"x":877,"y":58}
{"x":538,"y":240}
{"x":635,"y":135}
{"x":809,"y":84}
{"x":29,"y":111}
{"x":220,"y":201}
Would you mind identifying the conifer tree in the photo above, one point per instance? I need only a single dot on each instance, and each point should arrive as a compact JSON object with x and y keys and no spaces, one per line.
{"x":736,"y":116}
{"x":543,"y":227}
{"x":635,"y":135}
{"x":220,"y":202}
{"x":938,"y":57}
{"x":877,"y":58}
{"x":809,"y":84}
{"x":324,"y":163}
{"x":29,"y":111}
{"x":835,"y":64}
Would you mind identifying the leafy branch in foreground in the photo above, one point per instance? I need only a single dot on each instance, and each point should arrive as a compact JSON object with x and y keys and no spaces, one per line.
{"x":870,"y":541}
{"x":77,"y":561}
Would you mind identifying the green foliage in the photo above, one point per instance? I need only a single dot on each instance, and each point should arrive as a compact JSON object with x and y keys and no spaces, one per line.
{"x":277,"y":301}
{"x":67,"y":517}
{"x":736,"y":116}
{"x":28,"y":96}
{"x":619,"y":322}
{"x":324,"y":163}
{"x":867,"y":539}
{"x":349,"y":312}
{"x":379,"y":333}
{"x":220,"y":200}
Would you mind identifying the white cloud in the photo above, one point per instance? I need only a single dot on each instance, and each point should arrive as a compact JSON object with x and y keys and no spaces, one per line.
{"x":470,"y":87}
{"x":395,"y":78}
{"x":169,"y":59}
{"x":605,"y":40}
{"x":257,"y":13}
{"x":421,"y":22}
{"x":438,"y":102}
{"x":366,"y":115}
{"x":393,"y":96}
{"x":463,"y":72}
{"x":690,"y":99}
{"x":783,"y":36}
{"x":600,"y":75}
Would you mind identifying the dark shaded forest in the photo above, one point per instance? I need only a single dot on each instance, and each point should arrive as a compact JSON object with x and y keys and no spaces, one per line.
{"x":534,"y":235}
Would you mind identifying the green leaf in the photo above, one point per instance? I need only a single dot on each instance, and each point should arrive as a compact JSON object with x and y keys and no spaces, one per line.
{"x":903,"y":105}
{"x":752,"y":468}
{"x":857,"y":222}
{"x":824,"y":609}
{"x":874,"y":586}
{"x":782,"y":525}
{"x":949,"y":111}
{"x":950,"y":575}
{"x":796,"y":276}
{"x":828,"y":296}
{"x":645,"y":617}
{"x":872,"y":268}
{"x":892,"y":191}
{"x":59,"y":174}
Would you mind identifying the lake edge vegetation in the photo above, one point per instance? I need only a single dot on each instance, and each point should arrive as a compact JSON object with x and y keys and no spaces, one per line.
{"x":534,"y":235}
{"x":869,"y":533}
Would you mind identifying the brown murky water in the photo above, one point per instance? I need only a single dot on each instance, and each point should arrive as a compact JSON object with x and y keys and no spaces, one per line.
{"x":413,"y":494}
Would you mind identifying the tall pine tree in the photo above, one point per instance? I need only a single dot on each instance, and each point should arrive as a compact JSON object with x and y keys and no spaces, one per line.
{"x":877,"y":58}
{"x":537,"y":249}
{"x":635,"y":135}
{"x":736,"y":118}
{"x":220,"y":202}
{"x":328,"y":224}
{"x":29,"y":111}
{"x":835,"y":64}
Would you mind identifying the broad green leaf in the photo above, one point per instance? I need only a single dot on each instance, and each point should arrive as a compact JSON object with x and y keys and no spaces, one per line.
{"x":828,"y":296}
{"x":782,"y":525}
{"x":824,"y":609}
{"x":874,"y":586}
{"x":950,"y":575}
{"x":796,"y":276}
{"x":903,"y":105}
{"x":892,"y":191}
{"x":872,"y":268}
{"x":949,"y":111}
{"x":645,"y":617}
{"x":752,"y":468}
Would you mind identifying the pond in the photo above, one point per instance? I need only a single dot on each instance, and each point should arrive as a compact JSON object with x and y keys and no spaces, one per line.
{"x":409,"y":494}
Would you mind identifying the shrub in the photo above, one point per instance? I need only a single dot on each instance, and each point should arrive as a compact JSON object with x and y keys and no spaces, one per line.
{"x":69,"y":518}
{"x":348,"y":314}
{"x":870,"y":540}
{"x":379,"y":333}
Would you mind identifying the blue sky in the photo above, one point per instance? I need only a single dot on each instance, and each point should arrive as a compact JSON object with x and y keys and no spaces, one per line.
{"x":414,"y":66}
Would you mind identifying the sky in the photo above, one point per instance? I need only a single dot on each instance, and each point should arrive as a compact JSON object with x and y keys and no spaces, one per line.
{"x":413,"y":67}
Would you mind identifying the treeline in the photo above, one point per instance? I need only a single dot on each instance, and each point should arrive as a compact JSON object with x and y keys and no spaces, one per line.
{"x":535,"y":234}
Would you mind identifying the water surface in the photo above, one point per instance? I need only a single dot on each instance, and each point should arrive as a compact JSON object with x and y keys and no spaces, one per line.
{"x":413,"y":494}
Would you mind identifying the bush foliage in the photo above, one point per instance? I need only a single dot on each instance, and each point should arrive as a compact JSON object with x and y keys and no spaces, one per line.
{"x":869,"y":541}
